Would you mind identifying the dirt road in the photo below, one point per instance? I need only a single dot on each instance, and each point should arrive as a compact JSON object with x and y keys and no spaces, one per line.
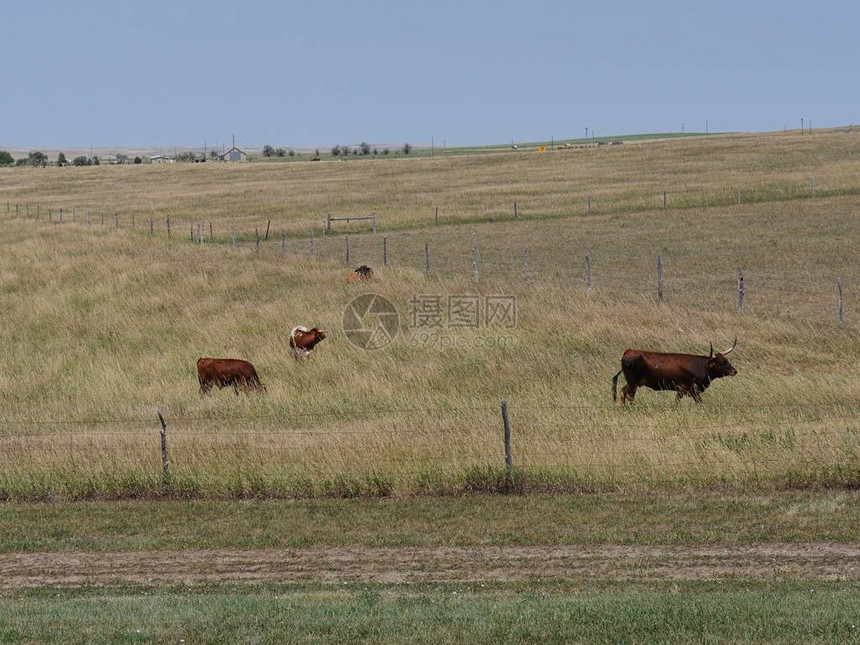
{"x":443,"y":564}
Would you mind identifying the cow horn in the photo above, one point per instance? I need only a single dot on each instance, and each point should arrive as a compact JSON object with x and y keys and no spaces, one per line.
{"x":711,"y":355}
{"x":734,"y":344}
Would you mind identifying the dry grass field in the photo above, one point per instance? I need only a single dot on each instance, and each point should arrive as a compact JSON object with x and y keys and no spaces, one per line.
{"x":99,"y":326}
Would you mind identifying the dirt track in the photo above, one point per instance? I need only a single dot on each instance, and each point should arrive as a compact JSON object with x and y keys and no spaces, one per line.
{"x":443,"y":564}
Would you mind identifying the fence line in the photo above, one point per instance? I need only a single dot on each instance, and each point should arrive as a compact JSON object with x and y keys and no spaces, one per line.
{"x":491,"y":263}
{"x":796,"y":190}
{"x":499,"y":445}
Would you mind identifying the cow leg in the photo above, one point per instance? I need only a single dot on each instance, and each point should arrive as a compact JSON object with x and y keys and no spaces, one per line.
{"x":205,"y":389}
{"x":680,"y":395}
{"x":696,"y":393}
{"x":628,"y":392}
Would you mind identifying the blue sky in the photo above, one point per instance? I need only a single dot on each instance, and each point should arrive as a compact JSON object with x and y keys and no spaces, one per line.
{"x":159,"y":73}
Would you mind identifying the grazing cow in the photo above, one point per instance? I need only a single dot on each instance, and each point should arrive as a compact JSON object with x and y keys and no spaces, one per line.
{"x":303,"y":340}
{"x":363,"y":272}
{"x":227,"y":372}
{"x":683,"y":373}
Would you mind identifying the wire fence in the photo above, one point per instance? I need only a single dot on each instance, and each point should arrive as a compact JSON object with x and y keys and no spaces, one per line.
{"x":677,"y":273}
{"x":542,"y":436}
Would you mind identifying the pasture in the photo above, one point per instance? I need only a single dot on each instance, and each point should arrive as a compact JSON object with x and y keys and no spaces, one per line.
{"x":731,"y":520}
{"x":102,"y":324}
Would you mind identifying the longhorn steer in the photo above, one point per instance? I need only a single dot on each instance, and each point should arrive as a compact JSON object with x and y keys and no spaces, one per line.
{"x":686,"y":374}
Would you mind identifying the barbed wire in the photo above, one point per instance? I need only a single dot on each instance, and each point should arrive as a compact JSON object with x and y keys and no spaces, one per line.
{"x":672,"y":413}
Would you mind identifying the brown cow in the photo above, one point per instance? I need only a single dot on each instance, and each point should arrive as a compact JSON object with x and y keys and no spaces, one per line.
{"x":363,"y":272}
{"x":227,"y":372}
{"x":303,"y":340}
{"x":684,"y":373}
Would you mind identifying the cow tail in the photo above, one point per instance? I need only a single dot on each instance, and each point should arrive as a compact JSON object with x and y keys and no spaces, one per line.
{"x":615,"y":385}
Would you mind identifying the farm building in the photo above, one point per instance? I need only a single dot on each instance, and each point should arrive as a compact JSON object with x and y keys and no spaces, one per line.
{"x":161,"y":159}
{"x":233,"y":154}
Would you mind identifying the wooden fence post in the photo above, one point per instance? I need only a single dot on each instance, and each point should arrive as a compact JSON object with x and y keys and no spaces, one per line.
{"x":346,"y":248}
{"x":509,"y":460}
{"x":268,"y":224}
{"x":526,"y":269}
{"x":151,"y":226}
{"x":841,"y":303}
{"x":103,"y":220}
{"x":436,"y":217}
{"x":256,"y":239}
{"x":168,"y":227}
{"x":426,"y":258}
{"x":474,"y":258}
{"x":38,"y":210}
{"x":165,"y":462}
{"x":28,"y":209}
{"x":132,"y":220}
{"x":374,"y":221}
{"x":211,"y":233}
{"x":660,"y":278}
{"x":741,"y":290}
{"x":191,"y":233}
{"x":588,"y":271}
{"x":200,"y":232}
{"x":515,"y":210}
{"x":664,"y":199}
{"x":384,"y":251}
{"x":283,"y":241}
{"x":589,"y":203}
{"x":61,"y":216}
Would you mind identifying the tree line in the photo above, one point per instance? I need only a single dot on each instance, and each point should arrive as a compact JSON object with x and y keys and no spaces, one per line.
{"x":37,"y":158}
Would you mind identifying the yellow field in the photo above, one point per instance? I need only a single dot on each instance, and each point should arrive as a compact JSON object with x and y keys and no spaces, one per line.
{"x":100,"y":326}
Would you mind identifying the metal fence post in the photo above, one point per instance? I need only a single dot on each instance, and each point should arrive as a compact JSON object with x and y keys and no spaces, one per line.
{"x":165,"y":462}
{"x":509,"y":460}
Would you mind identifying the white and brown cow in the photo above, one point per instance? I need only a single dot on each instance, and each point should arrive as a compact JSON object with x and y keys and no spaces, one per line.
{"x":303,"y":340}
